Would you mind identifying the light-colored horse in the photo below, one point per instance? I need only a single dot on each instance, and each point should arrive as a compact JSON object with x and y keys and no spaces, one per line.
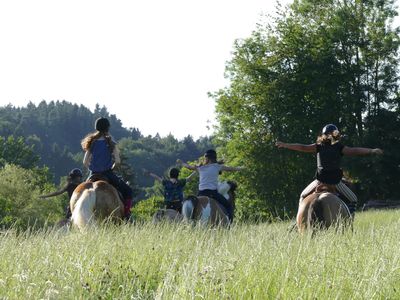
{"x":94,"y":202}
{"x":321,"y":210}
{"x":167,"y":215}
{"x":206,"y":210}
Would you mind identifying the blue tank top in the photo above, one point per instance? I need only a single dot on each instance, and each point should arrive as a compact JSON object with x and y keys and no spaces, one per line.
{"x":101,"y":157}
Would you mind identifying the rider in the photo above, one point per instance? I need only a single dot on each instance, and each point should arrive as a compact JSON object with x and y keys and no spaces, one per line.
{"x":329,"y":150}
{"x":173,"y":188}
{"x":101,"y":156}
{"x":208,"y":183}
{"x":73,"y":180}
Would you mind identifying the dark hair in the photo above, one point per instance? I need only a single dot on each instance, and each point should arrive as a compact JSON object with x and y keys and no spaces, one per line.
{"x":174,"y":173}
{"x":102,"y":124}
{"x":211,"y":154}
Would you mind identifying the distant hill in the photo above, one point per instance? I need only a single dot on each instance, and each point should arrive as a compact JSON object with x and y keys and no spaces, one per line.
{"x":56,"y":129}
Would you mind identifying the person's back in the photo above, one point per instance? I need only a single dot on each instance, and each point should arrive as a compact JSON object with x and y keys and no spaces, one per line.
{"x":172,"y":188}
{"x":208,"y":183}
{"x":101,"y":156}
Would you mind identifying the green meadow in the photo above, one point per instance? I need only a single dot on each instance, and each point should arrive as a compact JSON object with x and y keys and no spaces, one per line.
{"x":248,"y":261}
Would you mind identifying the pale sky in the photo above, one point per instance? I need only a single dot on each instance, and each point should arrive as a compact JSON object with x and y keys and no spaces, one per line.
{"x":151,"y":63}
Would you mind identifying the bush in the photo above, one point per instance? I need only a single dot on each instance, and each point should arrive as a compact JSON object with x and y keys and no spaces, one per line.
{"x":20,"y":205}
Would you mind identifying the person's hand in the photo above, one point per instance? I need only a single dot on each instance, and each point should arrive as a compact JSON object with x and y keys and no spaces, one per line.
{"x":377,"y":151}
{"x":42,"y":197}
{"x":280,"y":144}
{"x":145,"y":172}
{"x":179,"y":161}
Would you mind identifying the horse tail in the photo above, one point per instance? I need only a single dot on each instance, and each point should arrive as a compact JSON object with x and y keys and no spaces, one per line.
{"x":188,"y":207}
{"x":83,"y":212}
{"x":316,"y":214}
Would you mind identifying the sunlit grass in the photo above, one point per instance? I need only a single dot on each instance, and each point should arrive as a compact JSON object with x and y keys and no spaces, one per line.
{"x":264,"y":261}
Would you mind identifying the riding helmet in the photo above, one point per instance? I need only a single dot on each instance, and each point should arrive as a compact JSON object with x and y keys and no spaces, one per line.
{"x":330,"y":128}
{"x":102,"y":124}
{"x":75,"y":173}
{"x":211,"y":154}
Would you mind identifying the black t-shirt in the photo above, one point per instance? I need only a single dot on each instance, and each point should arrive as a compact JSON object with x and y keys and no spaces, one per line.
{"x":329,"y":158}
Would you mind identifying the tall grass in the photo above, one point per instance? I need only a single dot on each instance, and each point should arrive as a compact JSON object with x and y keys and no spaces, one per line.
{"x":264,"y":261}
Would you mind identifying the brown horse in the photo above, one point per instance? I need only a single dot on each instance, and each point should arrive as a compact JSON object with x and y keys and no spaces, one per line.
{"x":95,"y":202}
{"x":206,"y":210}
{"x":322,"y":209}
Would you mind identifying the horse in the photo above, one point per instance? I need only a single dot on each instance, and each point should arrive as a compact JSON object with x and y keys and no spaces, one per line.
{"x":322,"y":209}
{"x":167,"y":215}
{"x":206,"y":210}
{"x":94,"y":202}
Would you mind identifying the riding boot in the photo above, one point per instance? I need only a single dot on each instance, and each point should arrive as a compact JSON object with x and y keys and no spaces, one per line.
{"x":127,"y":209}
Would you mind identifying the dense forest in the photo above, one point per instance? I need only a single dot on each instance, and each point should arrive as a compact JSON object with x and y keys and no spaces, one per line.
{"x":54,"y":131}
{"x":316,"y":62}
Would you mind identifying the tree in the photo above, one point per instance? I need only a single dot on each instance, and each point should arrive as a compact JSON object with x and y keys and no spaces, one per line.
{"x":318,"y":62}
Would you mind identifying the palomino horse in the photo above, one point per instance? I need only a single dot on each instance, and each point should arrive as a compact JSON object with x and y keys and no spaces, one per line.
{"x":207,"y":210}
{"x":322,"y":209}
{"x":95,"y":201}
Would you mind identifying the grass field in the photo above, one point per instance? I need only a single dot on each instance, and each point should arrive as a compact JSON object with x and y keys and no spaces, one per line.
{"x":262,"y":261}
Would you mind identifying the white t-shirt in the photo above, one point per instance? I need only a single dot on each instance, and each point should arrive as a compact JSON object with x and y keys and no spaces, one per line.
{"x":209,"y":176}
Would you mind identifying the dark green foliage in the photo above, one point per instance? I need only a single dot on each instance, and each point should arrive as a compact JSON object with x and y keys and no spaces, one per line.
{"x":20,"y":205}
{"x":318,"y":62}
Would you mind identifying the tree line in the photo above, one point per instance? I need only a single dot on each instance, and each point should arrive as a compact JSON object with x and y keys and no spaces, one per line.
{"x":316,"y":62}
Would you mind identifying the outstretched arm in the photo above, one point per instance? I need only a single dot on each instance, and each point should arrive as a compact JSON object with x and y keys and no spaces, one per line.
{"x":360,"y":151}
{"x":56,"y":193}
{"x":156,"y":177}
{"x":231,"y":169}
{"x":297,"y":147}
{"x":191,"y":176}
{"x":186,"y":165}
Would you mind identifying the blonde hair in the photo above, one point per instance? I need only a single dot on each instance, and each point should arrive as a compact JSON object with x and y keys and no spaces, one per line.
{"x":88,"y":140}
{"x":330,"y":138}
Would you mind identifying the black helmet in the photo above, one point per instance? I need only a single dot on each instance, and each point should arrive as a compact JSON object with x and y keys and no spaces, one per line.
{"x":330,"y":128}
{"x":174,"y":173}
{"x":75,"y":173}
{"x":211,"y":154}
{"x":102,"y":124}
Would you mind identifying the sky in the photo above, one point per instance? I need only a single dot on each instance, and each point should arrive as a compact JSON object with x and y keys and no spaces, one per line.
{"x":151,"y":63}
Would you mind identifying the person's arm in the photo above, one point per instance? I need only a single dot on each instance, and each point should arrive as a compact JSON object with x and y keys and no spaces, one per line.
{"x":311,"y":148}
{"x":56,"y":193}
{"x":87,"y":158}
{"x":186,"y":165}
{"x":191,"y":176}
{"x":117,"y":157}
{"x":231,"y":169}
{"x":156,"y":177}
{"x":360,"y":151}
